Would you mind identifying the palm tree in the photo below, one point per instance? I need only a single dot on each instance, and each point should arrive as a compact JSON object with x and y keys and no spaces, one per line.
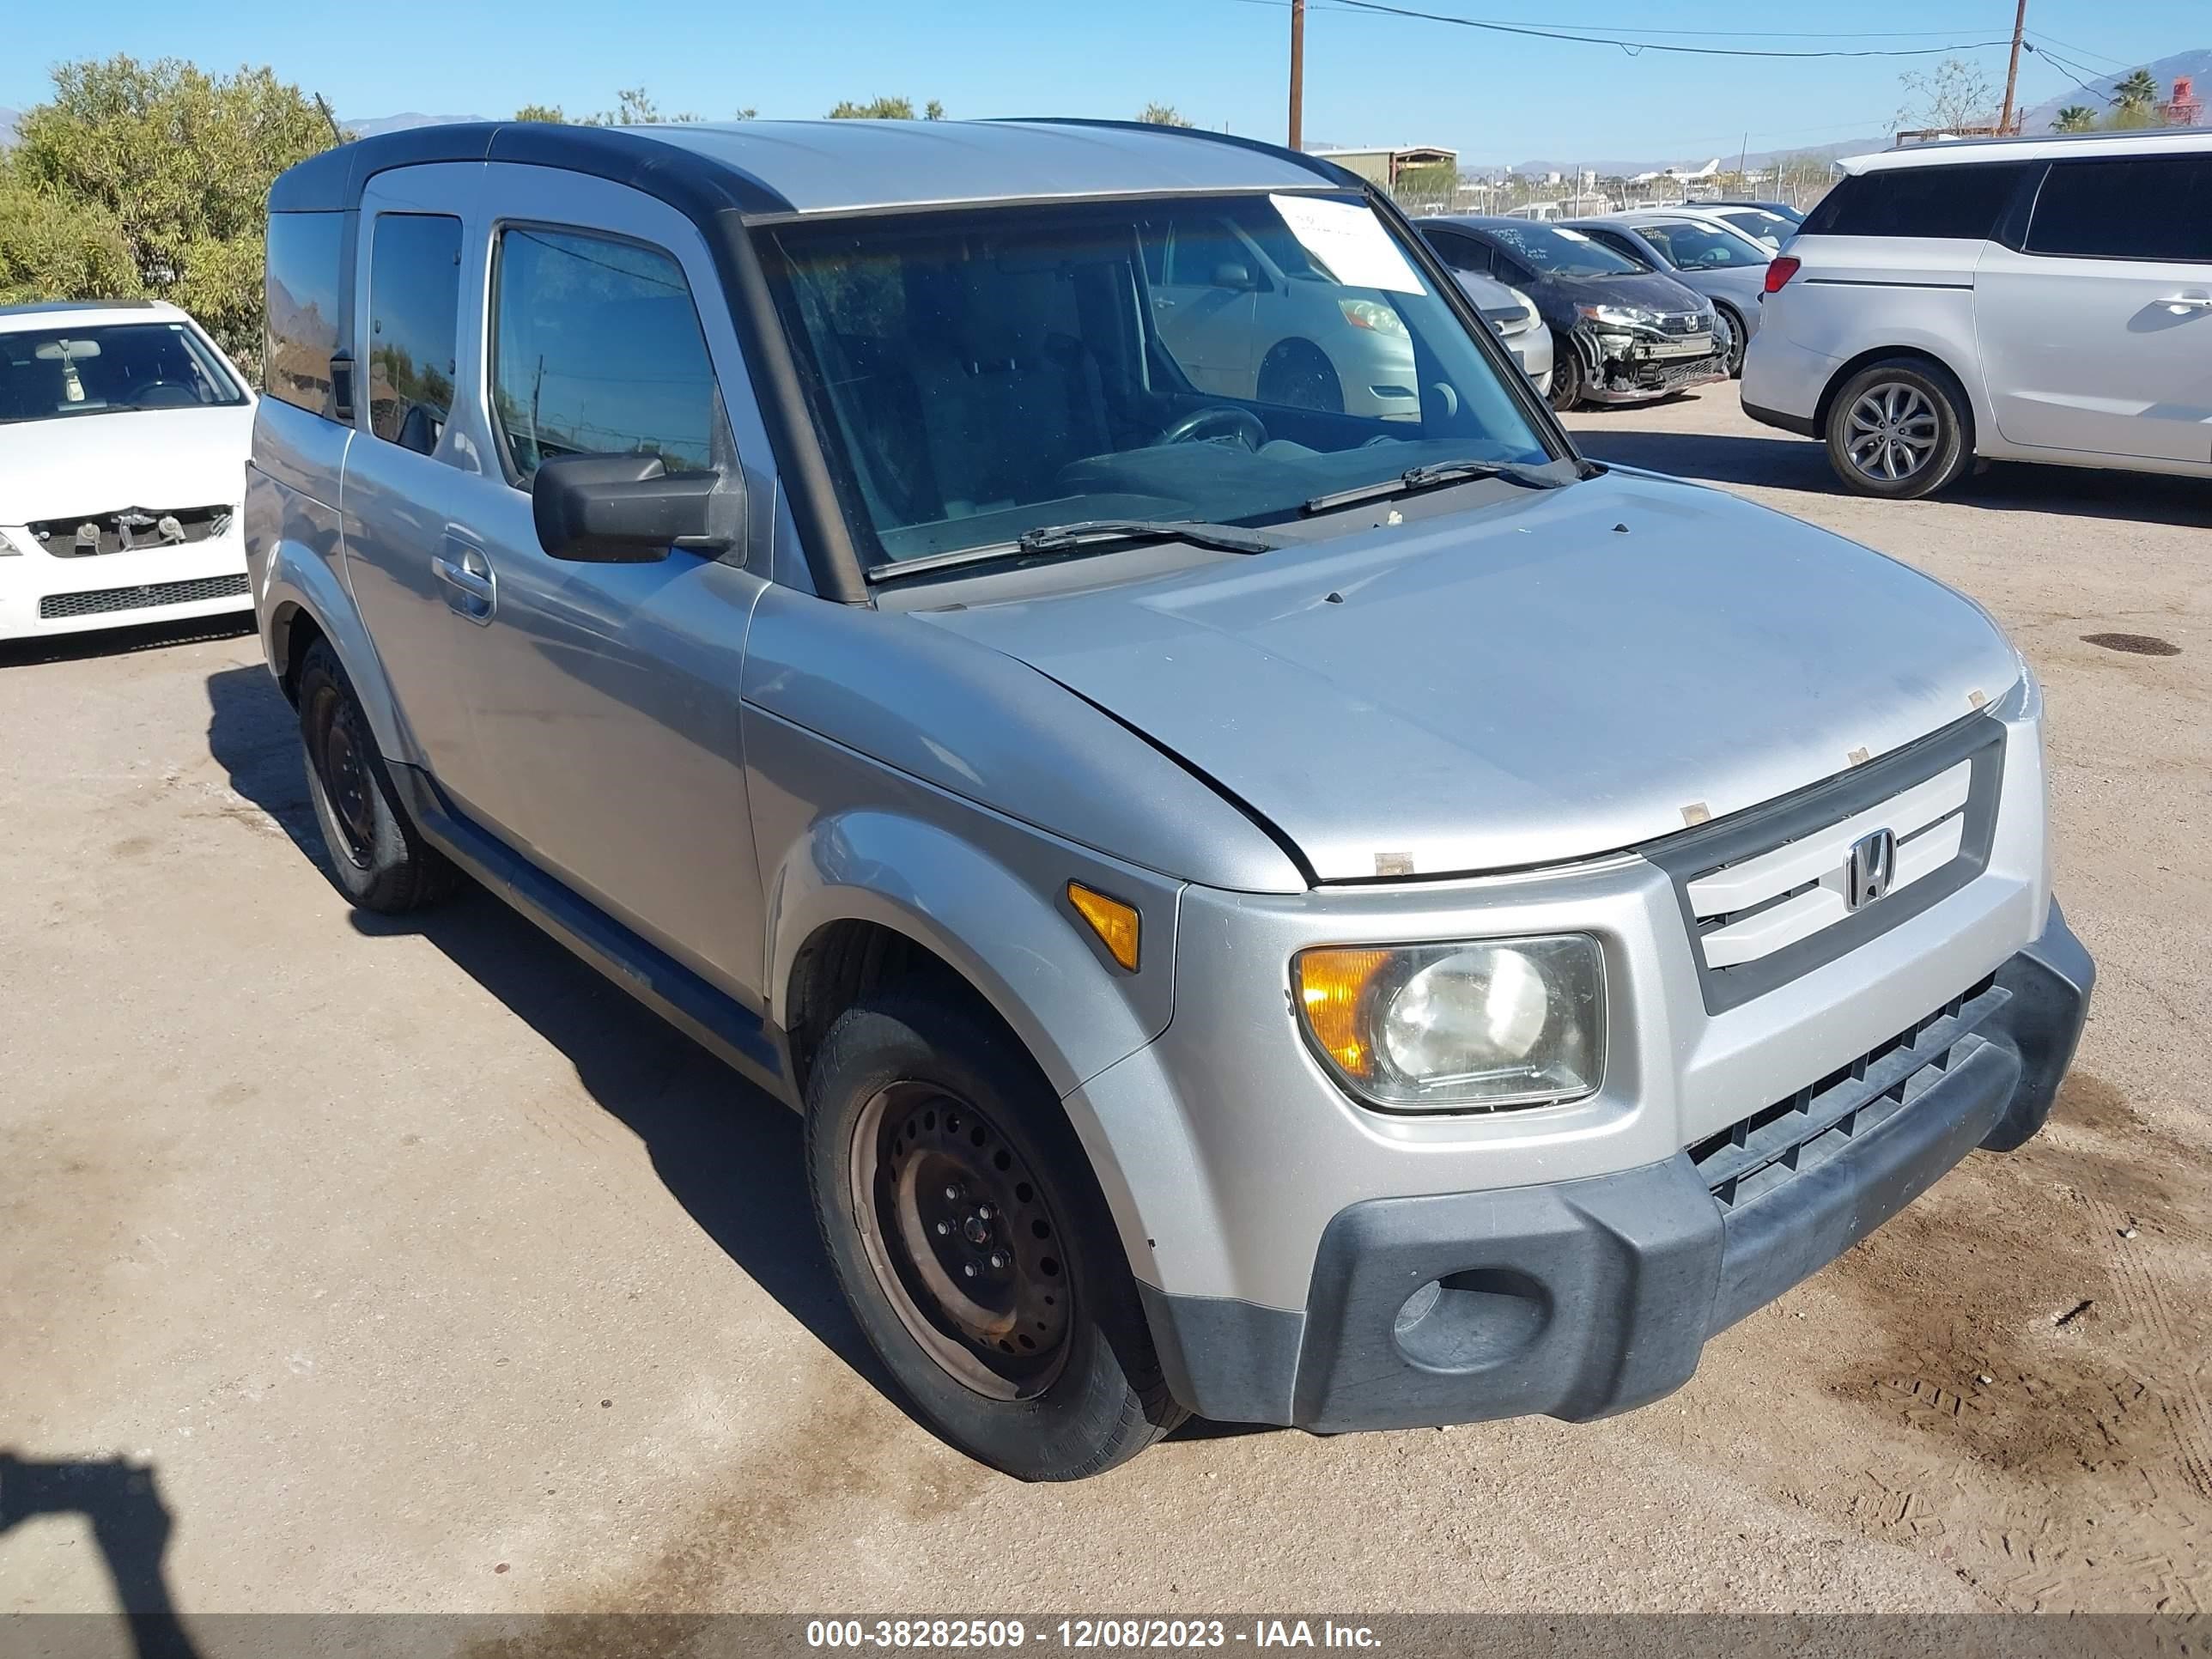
{"x":2074,"y":118}
{"x":2139,"y":90}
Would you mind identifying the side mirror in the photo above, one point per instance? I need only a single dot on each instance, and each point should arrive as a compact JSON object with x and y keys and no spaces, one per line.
{"x":1233,"y":276}
{"x":621,"y":509}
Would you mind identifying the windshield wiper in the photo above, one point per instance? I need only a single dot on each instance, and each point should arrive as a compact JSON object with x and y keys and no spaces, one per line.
{"x":1086,"y":532}
{"x":1439,"y":472}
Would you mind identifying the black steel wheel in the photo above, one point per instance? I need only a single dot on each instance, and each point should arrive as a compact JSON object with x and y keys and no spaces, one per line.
{"x":962,"y":1241}
{"x":377,"y":859}
{"x":972,"y":1241}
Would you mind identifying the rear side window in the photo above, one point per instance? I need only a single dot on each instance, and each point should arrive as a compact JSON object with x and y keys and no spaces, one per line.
{"x":1461,"y":252}
{"x":306,"y":262}
{"x":2126,"y":207}
{"x":597,"y":350}
{"x":1959,"y":203}
{"x":414,"y":305}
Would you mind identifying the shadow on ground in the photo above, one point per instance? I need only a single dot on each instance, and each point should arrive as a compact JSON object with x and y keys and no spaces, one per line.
{"x":1782,"y":462}
{"x":121,"y":1503}
{"x":728,"y":1152}
{"x":120,"y":641}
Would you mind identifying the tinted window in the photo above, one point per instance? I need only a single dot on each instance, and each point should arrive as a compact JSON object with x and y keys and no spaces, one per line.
{"x":1461,"y":252}
{"x":597,"y":351}
{"x":1196,"y":252}
{"x":306,"y":262}
{"x":1959,"y":203}
{"x":1620,"y":244}
{"x":414,"y":298}
{"x":2132,"y":207}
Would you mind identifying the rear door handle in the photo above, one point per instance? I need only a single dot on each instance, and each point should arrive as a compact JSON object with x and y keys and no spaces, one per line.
{"x":2187,"y":302}
{"x":462,"y":567}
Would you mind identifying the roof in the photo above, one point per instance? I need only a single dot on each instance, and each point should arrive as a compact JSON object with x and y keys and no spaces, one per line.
{"x":773,"y":168}
{"x":39,"y":312}
{"x":1960,"y":152}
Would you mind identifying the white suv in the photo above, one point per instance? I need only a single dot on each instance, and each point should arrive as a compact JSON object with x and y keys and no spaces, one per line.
{"x":2025,"y":300}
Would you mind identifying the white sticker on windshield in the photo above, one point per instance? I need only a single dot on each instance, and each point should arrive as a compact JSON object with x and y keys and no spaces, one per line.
{"x":1571,"y":236}
{"x":1349,"y":241}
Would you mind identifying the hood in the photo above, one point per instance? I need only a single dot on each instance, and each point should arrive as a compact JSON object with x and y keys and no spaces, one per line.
{"x":1520,"y":683}
{"x":87,"y":465}
{"x":1644,"y":288}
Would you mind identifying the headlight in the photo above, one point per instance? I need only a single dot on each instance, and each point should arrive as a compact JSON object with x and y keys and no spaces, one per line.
{"x":1619,"y":316}
{"x":1371,"y":314}
{"x":13,"y":542}
{"x":1458,"y":1027}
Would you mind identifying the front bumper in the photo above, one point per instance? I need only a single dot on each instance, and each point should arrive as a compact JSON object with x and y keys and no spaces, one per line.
{"x":42,"y":595}
{"x":1579,"y":1299}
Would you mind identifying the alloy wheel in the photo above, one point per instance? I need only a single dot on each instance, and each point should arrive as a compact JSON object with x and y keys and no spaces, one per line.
{"x":1892,"y":432}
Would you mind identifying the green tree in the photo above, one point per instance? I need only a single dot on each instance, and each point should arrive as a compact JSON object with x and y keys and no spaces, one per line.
{"x":176,"y":162}
{"x":881,"y":109}
{"x":548,"y":112}
{"x":1165,"y":115}
{"x":635,"y":108}
{"x":52,"y":250}
{"x":2139,"y":88}
{"x":2075,"y":117}
{"x":932,"y":111}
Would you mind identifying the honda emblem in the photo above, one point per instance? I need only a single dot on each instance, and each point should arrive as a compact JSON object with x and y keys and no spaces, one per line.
{"x":1871,"y":868}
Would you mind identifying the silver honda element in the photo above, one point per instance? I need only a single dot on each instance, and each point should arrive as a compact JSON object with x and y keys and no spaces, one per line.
{"x":1317,"y":909}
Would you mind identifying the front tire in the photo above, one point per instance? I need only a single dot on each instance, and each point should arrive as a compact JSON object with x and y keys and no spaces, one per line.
{"x":1899,"y":430}
{"x":1566,"y":389}
{"x":1738,"y":342}
{"x":377,"y":859}
{"x":969,"y":1235}
{"x":1297,"y":374}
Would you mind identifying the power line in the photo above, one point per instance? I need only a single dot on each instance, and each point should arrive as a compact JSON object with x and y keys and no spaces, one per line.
{"x":2085,"y":80}
{"x":1637,"y":47}
{"x":1349,"y":6}
{"x":2095,"y":57}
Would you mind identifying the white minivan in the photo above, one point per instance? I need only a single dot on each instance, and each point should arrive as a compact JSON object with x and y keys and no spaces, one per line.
{"x":2013,"y":299}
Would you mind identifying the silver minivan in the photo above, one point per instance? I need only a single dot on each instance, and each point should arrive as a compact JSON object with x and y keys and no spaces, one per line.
{"x":1342,"y":917}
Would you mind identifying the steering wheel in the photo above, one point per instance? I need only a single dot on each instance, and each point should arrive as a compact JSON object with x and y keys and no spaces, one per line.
{"x":1216,"y":421}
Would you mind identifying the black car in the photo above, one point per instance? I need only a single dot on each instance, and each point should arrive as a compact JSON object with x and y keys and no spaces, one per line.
{"x":1621,"y":332}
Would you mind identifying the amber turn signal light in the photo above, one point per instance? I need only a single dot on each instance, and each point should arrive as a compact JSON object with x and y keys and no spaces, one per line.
{"x":1114,"y":923}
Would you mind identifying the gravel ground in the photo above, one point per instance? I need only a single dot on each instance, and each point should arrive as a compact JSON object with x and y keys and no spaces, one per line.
{"x":414,"y":1267}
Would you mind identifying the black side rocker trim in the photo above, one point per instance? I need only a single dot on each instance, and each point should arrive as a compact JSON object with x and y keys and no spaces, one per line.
{"x":709,"y":1017}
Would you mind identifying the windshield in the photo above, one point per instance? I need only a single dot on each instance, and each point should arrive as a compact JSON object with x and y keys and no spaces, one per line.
{"x":975,"y":375}
{"x":1558,"y":252}
{"x":1693,"y":246}
{"x":73,"y":370}
{"x":1759,"y":223}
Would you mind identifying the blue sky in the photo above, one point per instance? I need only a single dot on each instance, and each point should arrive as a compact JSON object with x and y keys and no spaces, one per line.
{"x":1369,"y":79}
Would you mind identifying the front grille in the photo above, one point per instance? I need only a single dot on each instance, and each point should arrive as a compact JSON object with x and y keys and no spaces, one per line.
{"x":97,"y":600}
{"x":1765,"y":893}
{"x":130,"y":529}
{"x":1749,"y":1160}
{"x":1682,"y":322}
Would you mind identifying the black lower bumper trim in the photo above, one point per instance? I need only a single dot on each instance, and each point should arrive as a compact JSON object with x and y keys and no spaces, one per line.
{"x":1582,"y":1298}
{"x":1803,"y":425}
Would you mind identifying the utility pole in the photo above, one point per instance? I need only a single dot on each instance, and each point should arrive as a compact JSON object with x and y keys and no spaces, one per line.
{"x":1298,"y":71}
{"x":2012,"y":68}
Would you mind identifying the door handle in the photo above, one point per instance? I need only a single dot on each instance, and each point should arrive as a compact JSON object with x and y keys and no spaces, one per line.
{"x":463,"y":569}
{"x":2179,"y":302}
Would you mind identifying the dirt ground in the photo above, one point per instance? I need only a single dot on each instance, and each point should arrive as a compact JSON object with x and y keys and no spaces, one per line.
{"x":412,"y":1268}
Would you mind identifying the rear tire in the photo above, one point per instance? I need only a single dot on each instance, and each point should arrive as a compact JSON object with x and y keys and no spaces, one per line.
{"x":1738,"y":340}
{"x":962,"y":1218}
{"x":377,"y":859}
{"x":1567,"y":374}
{"x":1899,"y":430}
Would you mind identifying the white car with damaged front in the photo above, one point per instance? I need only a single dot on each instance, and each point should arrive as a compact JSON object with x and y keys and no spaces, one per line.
{"x":124,"y":434}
